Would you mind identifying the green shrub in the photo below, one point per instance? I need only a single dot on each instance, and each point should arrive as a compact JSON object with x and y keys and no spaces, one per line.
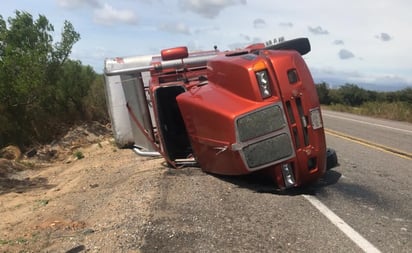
{"x":42,"y":91}
{"x":78,"y":154}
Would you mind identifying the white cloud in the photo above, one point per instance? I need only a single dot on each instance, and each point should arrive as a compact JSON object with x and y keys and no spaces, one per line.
{"x":150,"y":1}
{"x":317,"y":30}
{"x":175,"y":28}
{"x":375,"y":44}
{"x":208,"y":9}
{"x":391,"y":79}
{"x":383,"y":37}
{"x":381,"y":81}
{"x":241,"y":45}
{"x":345,"y":54}
{"x":73,"y":4}
{"x":206,"y":29}
{"x":236,"y":46}
{"x":107,"y":15}
{"x":245,"y":37}
{"x":286,"y":24}
{"x":259,"y":23}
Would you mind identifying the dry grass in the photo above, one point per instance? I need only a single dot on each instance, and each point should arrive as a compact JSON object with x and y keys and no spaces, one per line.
{"x":400,"y":111}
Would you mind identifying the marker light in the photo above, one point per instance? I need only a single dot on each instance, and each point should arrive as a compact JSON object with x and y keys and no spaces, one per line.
{"x":316,"y":118}
{"x":293,"y":76}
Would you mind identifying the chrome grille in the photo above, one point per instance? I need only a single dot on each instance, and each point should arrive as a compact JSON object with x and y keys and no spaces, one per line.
{"x":260,"y":123}
{"x":268,"y":150}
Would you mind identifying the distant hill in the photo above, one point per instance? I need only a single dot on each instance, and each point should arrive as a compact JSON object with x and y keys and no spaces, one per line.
{"x":336,"y":82}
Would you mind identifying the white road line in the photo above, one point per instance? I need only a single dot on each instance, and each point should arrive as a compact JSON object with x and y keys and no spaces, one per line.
{"x":358,"y":239}
{"x":367,"y":123}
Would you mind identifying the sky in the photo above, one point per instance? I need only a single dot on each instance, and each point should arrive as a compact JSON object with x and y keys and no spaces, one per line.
{"x":362,"y":42}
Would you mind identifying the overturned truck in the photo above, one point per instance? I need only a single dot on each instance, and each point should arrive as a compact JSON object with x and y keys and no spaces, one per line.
{"x":230,"y":113}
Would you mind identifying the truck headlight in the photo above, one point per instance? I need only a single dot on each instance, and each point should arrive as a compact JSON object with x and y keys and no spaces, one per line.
{"x":288,"y":176}
{"x":264,"y":83}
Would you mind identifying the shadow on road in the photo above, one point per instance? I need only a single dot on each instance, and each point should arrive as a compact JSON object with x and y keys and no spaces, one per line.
{"x":263,"y":184}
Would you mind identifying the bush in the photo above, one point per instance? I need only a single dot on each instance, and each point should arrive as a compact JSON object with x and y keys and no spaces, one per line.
{"x":41,"y":89}
{"x":401,"y":111}
{"x":388,"y":105}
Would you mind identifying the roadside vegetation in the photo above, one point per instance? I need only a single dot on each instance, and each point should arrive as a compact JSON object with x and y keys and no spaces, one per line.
{"x":42,"y":91}
{"x":393,"y":105}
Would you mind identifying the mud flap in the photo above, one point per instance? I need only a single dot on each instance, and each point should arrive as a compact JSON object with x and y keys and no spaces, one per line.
{"x":331,"y":158}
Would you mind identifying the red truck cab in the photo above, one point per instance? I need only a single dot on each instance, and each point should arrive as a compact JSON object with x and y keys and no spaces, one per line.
{"x":238,"y":112}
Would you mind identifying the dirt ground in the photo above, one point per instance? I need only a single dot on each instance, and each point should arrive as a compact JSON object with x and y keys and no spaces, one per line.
{"x":83,"y":194}
{"x":67,"y":204}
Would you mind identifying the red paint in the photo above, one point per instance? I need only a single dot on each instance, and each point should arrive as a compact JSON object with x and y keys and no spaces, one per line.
{"x":200,"y":105}
{"x":174,"y":53}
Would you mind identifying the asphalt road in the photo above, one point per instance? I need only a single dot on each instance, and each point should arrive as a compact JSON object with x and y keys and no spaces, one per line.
{"x":363,"y":205}
{"x":373,"y":194}
{"x":393,"y":134}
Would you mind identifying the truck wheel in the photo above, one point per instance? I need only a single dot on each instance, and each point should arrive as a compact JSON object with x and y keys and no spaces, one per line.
{"x":331,"y":158}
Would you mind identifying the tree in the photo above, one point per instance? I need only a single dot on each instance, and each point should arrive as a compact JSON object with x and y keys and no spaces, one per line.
{"x":351,"y":94}
{"x":406,"y":95}
{"x":29,"y":68}
{"x":73,"y":86}
{"x":323,"y":93}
